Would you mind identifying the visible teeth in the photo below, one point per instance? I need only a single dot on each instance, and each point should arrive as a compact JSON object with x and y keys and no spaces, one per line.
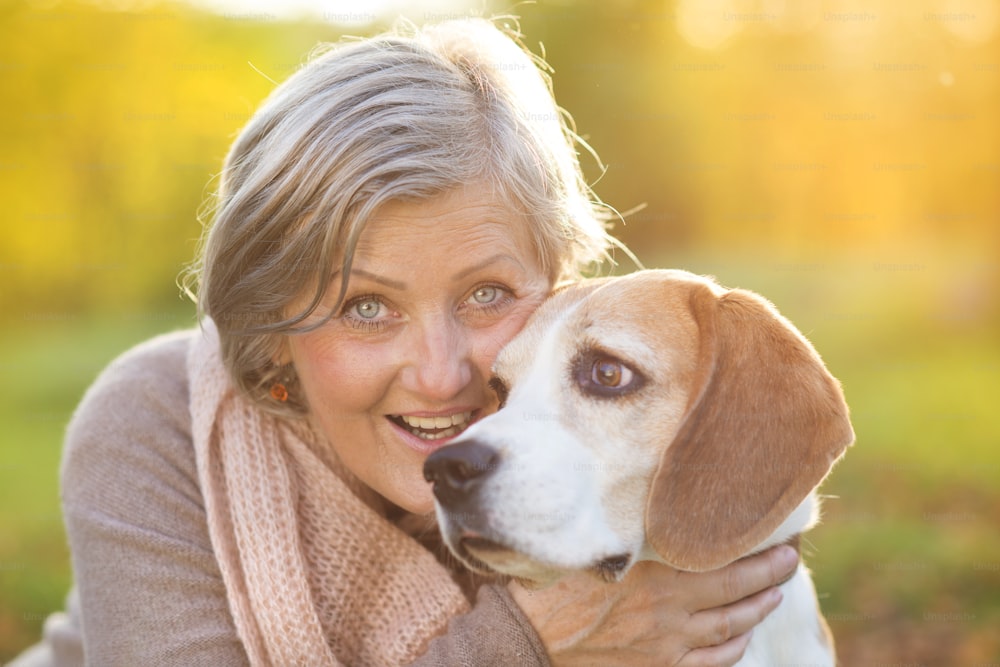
{"x":427,"y":423}
{"x":437,"y":436}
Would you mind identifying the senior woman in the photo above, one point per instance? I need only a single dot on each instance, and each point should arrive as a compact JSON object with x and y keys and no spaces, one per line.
{"x":250,"y":492}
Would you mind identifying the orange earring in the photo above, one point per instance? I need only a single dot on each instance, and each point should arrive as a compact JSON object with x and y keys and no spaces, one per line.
{"x":279,"y":392}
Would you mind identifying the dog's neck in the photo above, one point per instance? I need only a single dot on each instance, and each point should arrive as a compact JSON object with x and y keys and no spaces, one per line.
{"x":802,"y":519}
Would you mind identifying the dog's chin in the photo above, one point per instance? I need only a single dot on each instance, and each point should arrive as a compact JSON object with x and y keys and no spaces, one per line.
{"x":490,"y":557}
{"x":465,"y":550}
{"x":493,"y":558}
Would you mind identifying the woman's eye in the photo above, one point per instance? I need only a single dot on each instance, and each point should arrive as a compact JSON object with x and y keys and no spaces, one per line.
{"x":367,"y":313}
{"x":367,"y":309}
{"x":490,"y":296}
{"x":485,"y":294}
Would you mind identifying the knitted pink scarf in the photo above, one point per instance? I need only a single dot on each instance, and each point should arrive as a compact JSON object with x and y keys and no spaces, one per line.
{"x":314,"y":575}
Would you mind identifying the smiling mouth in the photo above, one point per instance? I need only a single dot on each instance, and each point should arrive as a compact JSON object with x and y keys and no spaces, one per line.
{"x":433,"y":428}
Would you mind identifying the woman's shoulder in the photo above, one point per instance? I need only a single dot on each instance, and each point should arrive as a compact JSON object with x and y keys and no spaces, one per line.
{"x":134,"y":414}
{"x":165,"y":353}
{"x":153,"y":374}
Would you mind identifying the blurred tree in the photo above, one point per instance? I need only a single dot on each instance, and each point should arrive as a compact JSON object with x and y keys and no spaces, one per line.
{"x":790,"y":129}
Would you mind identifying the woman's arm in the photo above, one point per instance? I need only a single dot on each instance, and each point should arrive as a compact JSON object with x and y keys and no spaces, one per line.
{"x":494,"y":632}
{"x":657,"y":615}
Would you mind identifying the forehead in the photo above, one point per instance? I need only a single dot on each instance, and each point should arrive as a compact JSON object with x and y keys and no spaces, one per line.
{"x":466,"y":217}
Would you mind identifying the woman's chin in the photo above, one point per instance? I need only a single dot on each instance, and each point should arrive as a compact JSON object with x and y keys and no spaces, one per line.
{"x":419,"y":501}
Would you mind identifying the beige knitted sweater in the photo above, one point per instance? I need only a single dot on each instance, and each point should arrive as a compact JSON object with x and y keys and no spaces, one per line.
{"x":155,"y":587}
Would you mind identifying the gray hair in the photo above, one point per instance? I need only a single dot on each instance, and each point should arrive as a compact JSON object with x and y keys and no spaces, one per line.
{"x":403,"y":116}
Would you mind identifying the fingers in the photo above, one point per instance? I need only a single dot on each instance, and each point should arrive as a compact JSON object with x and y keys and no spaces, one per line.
{"x":725,"y":633}
{"x":724,"y":655}
{"x":743,"y":578}
{"x":718,"y":626}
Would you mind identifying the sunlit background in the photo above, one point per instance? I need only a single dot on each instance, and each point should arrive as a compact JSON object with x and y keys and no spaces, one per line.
{"x":842,"y":158}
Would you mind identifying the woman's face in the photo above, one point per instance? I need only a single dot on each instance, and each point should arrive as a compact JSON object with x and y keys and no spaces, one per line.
{"x":437,"y":287}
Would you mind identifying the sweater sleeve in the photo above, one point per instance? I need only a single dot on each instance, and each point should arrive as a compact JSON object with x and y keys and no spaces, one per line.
{"x":150,"y":591}
{"x":494,"y":632}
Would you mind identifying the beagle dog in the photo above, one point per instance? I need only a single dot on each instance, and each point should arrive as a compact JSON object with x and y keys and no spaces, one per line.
{"x":655,"y":416}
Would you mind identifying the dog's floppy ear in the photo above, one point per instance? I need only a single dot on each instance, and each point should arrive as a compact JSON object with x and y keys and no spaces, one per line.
{"x":765,"y":422}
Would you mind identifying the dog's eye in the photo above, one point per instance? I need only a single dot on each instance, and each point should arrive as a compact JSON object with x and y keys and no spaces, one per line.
{"x":602,"y":375}
{"x":610,"y":373}
{"x":501,"y":390}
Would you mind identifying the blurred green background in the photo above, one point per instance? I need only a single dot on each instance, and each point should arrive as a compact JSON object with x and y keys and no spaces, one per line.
{"x":841,"y":158}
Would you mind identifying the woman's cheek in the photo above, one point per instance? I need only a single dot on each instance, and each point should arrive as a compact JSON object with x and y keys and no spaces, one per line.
{"x":336,"y":374}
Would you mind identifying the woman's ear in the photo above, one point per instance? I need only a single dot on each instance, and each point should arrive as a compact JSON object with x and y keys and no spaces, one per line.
{"x":765,"y":423}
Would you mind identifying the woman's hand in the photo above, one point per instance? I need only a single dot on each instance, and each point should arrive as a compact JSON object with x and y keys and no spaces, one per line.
{"x":657,"y":615}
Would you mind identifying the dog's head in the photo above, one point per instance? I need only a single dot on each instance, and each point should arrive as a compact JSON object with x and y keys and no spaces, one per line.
{"x":657,"y":412}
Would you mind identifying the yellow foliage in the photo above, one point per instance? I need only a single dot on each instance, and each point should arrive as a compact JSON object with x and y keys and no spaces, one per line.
{"x":792,"y":129}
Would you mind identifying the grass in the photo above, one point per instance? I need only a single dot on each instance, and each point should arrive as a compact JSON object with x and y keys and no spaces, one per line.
{"x":906,"y":561}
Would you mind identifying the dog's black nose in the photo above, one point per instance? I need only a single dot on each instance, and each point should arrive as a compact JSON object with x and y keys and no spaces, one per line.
{"x":457,"y":470}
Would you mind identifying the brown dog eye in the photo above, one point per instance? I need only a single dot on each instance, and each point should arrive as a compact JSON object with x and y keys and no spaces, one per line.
{"x":501,"y":389}
{"x":601,"y":375}
{"x":610,"y":373}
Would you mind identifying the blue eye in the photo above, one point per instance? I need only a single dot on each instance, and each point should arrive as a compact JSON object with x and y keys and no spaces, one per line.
{"x":485,"y":294}
{"x":367,"y":309}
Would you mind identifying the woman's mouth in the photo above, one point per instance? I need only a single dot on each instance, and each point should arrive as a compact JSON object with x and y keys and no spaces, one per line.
{"x":433,"y":428}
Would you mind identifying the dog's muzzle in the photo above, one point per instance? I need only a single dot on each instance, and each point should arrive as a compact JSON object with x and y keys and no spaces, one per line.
{"x":458,"y":471}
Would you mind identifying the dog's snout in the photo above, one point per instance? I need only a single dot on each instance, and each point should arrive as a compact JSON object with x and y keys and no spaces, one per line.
{"x":457,"y":470}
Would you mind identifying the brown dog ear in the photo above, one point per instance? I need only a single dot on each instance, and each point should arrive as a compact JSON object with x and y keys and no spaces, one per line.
{"x":765,"y":422}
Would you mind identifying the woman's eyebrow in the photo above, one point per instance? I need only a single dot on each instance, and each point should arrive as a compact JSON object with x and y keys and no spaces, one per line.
{"x":388,"y":282}
{"x":464,"y":273}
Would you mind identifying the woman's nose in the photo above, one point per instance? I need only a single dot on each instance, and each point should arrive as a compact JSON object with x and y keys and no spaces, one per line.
{"x":440,"y":364}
